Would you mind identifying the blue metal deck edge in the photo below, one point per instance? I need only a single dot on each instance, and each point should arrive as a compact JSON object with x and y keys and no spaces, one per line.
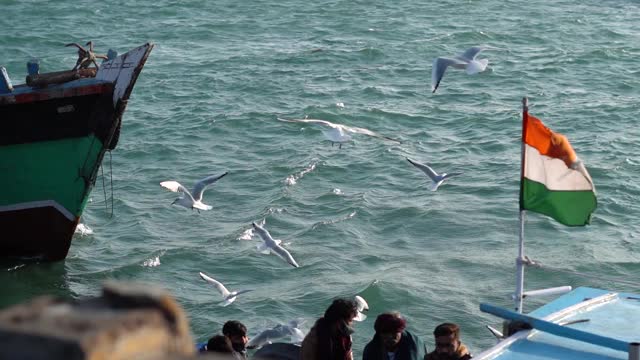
{"x":576,"y":296}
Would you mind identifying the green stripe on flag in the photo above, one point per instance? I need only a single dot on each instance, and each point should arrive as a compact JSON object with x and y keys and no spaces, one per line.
{"x":571,"y":208}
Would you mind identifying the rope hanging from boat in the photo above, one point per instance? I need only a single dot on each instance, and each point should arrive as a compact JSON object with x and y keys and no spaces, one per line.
{"x":111,"y":182}
{"x":83,"y":175}
{"x":116,"y":137}
{"x":538,"y":265}
{"x":104,"y":188}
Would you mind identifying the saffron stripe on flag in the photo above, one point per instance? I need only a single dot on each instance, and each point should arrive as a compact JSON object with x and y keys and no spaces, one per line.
{"x":548,"y":142}
{"x":555,"y":182}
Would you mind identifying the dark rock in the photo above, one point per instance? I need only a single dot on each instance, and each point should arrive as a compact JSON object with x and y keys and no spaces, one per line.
{"x":129,"y":321}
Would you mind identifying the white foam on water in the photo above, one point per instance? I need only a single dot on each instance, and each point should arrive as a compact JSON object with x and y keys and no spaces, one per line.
{"x":153,"y":262}
{"x":293,"y":178}
{"x":329,"y":222}
{"x":16,"y":267}
{"x":83,"y":230}
{"x":248,"y":234}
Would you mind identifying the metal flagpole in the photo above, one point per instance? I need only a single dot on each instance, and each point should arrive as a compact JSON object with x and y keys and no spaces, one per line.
{"x":520,"y":260}
{"x":520,"y":266}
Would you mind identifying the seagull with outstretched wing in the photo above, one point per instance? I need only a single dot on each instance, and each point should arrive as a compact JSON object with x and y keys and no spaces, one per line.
{"x":466,"y":60}
{"x":227,"y":296}
{"x":338,"y":133}
{"x":436,"y":179}
{"x":192,"y":200}
{"x":270,"y":245}
{"x":277,"y":332}
{"x":362,"y":307}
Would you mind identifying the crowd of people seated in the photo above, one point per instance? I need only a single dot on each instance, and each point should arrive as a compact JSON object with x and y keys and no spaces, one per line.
{"x":330,"y":339}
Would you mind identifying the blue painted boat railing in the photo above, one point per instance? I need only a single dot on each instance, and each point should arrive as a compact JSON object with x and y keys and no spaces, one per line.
{"x":563,"y":331}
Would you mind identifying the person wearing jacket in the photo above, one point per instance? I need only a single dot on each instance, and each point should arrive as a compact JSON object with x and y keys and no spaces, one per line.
{"x":236,"y":334}
{"x":330,"y":337}
{"x":392,"y":341}
{"x":448,"y":344}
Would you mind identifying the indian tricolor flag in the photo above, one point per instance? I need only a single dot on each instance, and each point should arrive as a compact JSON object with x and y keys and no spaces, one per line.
{"x":554,"y":181}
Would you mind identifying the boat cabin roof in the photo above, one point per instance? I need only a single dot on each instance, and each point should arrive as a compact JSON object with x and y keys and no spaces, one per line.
{"x":617,"y":316}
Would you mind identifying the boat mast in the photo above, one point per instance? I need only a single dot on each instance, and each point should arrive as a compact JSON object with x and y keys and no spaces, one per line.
{"x":520,"y":260}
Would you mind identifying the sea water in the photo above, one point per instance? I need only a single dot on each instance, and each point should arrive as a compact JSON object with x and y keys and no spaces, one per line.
{"x":358,"y":219}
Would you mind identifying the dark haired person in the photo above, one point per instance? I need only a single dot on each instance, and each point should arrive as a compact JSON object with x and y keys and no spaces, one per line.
{"x":392,"y":341}
{"x":219,"y":344}
{"x":448,"y":344}
{"x":236,"y":333}
{"x":330,"y":337}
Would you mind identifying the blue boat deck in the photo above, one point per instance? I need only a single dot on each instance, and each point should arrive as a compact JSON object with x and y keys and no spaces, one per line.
{"x":617,"y":317}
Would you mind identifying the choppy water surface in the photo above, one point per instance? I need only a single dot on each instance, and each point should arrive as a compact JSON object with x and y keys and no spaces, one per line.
{"x":359,"y":220}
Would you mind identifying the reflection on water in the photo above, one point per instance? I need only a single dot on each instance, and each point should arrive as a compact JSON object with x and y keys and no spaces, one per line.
{"x":22,"y":281}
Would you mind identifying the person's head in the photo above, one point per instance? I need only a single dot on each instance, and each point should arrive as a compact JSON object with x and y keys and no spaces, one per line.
{"x":341,"y":310}
{"x":389,"y":327}
{"x":335,"y":328}
{"x":447,"y":338}
{"x":220,"y":344}
{"x":236,"y":333}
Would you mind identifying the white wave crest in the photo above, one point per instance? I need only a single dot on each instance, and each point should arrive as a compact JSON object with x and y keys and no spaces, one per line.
{"x":248,"y":234}
{"x":83,"y":230}
{"x":293,"y":178}
{"x":328,"y":222}
{"x":16,"y":267}
{"x":153,"y":262}
{"x":290,"y":180}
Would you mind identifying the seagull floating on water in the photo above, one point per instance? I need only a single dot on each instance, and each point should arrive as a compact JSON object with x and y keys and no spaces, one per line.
{"x":273,"y":246}
{"x":192,"y":200}
{"x":362,"y":306}
{"x":227,"y":296}
{"x":338,"y":133}
{"x":277,"y":332}
{"x":436,"y":180}
{"x":466,"y":60}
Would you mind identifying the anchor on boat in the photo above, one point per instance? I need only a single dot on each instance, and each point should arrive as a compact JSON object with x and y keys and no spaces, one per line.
{"x":86,"y":57}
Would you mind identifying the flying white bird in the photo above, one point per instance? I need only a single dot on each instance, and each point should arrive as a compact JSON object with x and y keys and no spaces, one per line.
{"x":338,"y":133}
{"x":436,"y":180}
{"x":273,"y":246}
{"x":362,"y":308}
{"x":192,"y":200}
{"x":466,"y":60}
{"x":227,"y":296}
{"x":277,"y":332}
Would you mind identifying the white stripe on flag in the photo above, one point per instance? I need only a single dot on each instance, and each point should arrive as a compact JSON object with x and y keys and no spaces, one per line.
{"x":552,"y":172}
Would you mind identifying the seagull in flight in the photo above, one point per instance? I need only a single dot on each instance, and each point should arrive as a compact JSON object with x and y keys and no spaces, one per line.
{"x":436,"y":180}
{"x":466,"y":60}
{"x":192,"y":200}
{"x":277,"y":332}
{"x":273,"y":246}
{"x":227,"y":296}
{"x":362,"y":307}
{"x":338,"y":133}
